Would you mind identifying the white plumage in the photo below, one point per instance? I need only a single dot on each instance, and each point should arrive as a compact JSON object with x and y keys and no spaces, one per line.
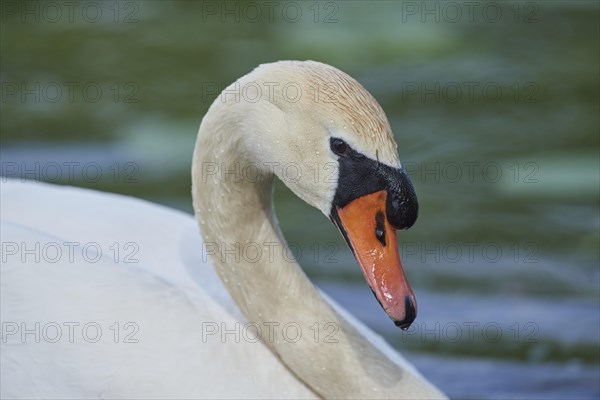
{"x":139,"y":319}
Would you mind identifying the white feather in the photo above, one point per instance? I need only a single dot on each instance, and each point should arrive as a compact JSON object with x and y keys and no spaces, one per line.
{"x":105,"y":296}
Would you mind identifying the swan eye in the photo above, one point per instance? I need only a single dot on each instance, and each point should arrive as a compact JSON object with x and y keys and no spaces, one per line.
{"x":339,"y":147}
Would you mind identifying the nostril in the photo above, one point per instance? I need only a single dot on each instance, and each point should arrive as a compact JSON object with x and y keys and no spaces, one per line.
{"x":380,"y":228}
{"x":410,"y":314}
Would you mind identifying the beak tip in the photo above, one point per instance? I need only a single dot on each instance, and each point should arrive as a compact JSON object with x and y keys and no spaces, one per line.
{"x":402,"y":324}
{"x":410,"y":314}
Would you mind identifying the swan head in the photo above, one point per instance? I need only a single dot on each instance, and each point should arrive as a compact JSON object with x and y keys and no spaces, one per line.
{"x":330,"y":142}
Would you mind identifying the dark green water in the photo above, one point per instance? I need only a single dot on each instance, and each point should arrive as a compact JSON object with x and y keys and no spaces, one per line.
{"x":495,"y":111}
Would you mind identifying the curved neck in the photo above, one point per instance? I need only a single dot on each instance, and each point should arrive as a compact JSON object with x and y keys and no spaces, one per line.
{"x":240,"y":231}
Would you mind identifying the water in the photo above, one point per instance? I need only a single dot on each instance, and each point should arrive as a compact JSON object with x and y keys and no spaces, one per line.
{"x":496,"y":123}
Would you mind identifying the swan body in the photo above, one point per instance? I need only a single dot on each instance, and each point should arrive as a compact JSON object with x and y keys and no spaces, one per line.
{"x":144,"y":312}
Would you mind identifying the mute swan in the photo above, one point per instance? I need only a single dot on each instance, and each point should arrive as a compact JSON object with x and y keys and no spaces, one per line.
{"x":108,"y":296}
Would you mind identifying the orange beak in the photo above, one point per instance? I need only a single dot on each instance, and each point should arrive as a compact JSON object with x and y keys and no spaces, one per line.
{"x":364,"y":224}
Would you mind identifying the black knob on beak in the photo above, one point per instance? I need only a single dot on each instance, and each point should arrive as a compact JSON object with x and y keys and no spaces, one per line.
{"x":402,"y":207}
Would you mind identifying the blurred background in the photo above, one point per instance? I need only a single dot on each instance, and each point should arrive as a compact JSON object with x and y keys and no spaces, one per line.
{"x":495,"y":111}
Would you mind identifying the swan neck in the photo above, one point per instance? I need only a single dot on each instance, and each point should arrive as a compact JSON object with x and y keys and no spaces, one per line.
{"x":242,"y":236}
